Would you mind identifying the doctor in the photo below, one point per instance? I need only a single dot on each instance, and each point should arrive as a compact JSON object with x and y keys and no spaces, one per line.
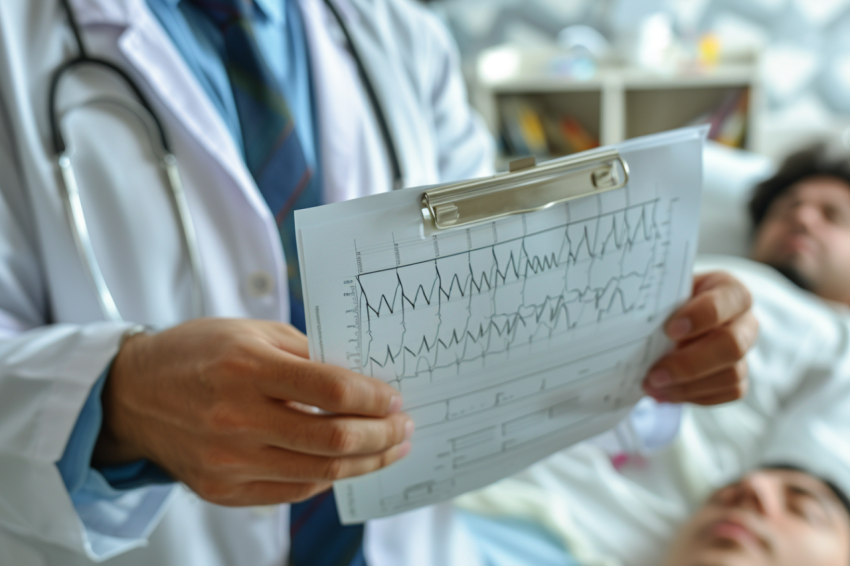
{"x":105,"y":401}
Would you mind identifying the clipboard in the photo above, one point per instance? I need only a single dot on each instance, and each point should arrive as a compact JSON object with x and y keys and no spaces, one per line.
{"x":527,"y":187}
{"x":510,"y":335}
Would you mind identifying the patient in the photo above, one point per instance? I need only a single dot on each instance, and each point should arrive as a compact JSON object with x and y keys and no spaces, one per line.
{"x":773,"y":517}
{"x":802,"y":220}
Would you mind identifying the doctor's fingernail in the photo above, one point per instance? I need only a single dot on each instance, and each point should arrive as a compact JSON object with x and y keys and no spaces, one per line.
{"x":404,"y":449}
{"x":660,"y":378}
{"x":409,"y":427}
{"x":396,"y":403}
{"x":679,"y":328}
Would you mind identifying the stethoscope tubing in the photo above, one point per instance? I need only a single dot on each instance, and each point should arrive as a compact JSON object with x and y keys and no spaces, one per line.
{"x":70,"y":186}
{"x":71,"y":193}
{"x":374,"y":102}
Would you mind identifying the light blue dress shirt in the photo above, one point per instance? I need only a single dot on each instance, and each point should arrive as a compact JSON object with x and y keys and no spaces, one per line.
{"x":279,"y":30}
{"x":280,"y":35}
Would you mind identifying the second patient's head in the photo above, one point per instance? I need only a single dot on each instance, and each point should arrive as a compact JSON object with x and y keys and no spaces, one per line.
{"x":770,"y":517}
{"x":802,"y":223}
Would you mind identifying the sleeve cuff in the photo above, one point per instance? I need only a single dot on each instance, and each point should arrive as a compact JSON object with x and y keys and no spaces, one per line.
{"x":75,"y":463}
{"x":135,"y":475}
{"x":117,"y":505}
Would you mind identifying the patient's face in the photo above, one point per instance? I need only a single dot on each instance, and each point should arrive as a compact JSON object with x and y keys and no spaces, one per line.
{"x":806,"y":235}
{"x":770,"y":517}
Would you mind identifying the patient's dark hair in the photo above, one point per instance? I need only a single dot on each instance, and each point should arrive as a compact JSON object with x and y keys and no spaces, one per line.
{"x":813,"y":161}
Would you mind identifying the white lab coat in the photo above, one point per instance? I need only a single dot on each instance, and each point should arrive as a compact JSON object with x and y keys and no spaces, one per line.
{"x":53,"y":345}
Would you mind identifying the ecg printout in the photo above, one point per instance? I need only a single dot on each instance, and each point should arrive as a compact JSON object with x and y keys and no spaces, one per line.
{"x":510,"y":339}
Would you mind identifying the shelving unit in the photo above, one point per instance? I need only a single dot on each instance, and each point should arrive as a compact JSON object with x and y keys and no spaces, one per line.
{"x":618,"y":103}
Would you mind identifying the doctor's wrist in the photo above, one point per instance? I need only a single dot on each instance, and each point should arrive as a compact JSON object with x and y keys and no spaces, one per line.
{"x":120,"y":440}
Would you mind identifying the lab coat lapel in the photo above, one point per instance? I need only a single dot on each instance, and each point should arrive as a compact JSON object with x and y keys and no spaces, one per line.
{"x":150,"y":51}
{"x":335,"y":106}
{"x":383,"y":59}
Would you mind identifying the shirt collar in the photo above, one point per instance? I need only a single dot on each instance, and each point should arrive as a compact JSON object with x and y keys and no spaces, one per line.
{"x":272,"y":9}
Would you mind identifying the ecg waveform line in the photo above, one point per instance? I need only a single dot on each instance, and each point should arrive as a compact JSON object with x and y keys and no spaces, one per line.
{"x":534,"y":263}
{"x":484,"y":332}
{"x":471,"y":341}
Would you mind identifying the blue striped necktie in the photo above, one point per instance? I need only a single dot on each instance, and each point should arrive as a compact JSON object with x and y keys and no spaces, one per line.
{"x":276,"y":160}
{"x":273,"y":151}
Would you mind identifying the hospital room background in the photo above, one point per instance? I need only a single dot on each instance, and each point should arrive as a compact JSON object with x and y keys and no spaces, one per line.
{"x":552,"y":77}
{"x":549,"y":78}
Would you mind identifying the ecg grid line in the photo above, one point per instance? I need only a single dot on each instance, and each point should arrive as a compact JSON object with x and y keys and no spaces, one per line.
{"x":473,"y":303}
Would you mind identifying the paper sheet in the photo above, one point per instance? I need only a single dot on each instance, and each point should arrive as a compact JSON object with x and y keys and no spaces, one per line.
{"x":511,"y":339}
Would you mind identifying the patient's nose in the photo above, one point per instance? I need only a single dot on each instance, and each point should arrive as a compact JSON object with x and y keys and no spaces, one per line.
{"x":805,"y":215}
{"x":756,"y":492}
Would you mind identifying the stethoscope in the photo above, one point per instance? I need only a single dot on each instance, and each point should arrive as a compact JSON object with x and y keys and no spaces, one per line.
{"x":142,"y":110}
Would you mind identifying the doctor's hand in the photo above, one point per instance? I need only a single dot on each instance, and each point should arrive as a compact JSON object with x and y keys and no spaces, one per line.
{"x":713,"y":332}
{"x":222,"y":406}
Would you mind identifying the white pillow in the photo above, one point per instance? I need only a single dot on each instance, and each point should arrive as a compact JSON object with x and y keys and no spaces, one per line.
{"x":729,"y":176}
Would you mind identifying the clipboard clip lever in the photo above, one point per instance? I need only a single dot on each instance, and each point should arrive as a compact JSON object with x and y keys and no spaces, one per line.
{"x":526,"y":188}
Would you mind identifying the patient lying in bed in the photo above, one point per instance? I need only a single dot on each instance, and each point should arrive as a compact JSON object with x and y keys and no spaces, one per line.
{"x":779,"y":516}
{"x":772,"y":517}
{"x":580,"y":507}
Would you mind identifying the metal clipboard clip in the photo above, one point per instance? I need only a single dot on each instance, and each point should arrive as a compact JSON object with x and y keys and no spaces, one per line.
{"x":526,"y":188}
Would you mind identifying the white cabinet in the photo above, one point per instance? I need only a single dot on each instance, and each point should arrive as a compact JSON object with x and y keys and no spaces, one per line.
{"x":617,"y":103}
